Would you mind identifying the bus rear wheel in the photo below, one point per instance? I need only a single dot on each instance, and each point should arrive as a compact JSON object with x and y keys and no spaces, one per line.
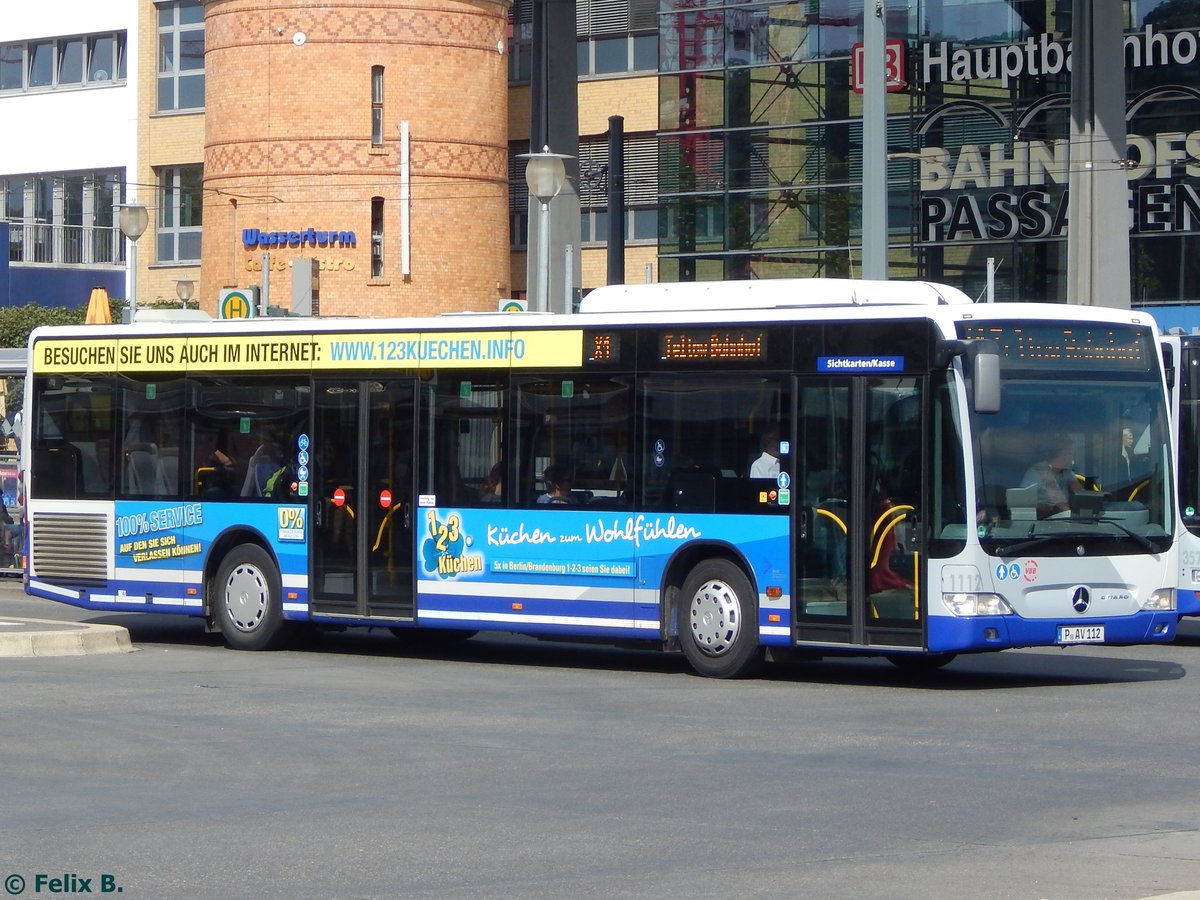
{"x":718,"y":621}
{"x":247,"y":605}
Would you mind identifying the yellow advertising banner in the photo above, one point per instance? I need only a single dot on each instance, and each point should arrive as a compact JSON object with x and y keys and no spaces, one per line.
{"x":254,"y":353}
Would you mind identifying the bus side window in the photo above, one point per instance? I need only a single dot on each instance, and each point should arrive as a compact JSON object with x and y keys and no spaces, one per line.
{"x":713,"y":443}
{"x":467,"y":428}
{"x":56,"y":470}
{"x":582,"y":427}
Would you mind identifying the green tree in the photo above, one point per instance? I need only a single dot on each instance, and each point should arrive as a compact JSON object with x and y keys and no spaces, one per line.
{"x":17,"y":321}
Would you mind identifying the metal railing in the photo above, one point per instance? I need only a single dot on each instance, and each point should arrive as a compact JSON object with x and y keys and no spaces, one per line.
{"x":39,"y":242}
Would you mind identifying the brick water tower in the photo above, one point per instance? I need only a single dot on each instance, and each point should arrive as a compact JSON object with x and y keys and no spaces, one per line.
{"x":370,"y":136}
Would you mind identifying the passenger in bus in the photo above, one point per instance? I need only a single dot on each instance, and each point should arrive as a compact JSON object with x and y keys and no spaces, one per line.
{"x":1054,"y":478}
{"x":10,"y":536}
{"x":492,"y":489}
{"x":78,"y":421}
{"x":216,"y":475}
{"x":558,"y":486}
{"x":1125,"y":461}
{"x":767,"y":465}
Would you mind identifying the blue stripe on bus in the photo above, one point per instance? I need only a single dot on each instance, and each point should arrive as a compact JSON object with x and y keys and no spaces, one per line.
{"x":531,"y":606}
{"x":1187,"y":602}
{"x":950,"y":634}
{"x":534,"y":623}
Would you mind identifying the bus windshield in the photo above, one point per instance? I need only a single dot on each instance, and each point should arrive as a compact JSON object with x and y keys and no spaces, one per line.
{"x":1079,"y":454}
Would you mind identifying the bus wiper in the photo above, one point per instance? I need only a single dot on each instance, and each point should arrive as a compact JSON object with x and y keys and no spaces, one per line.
{"x":1021,"y":547}
{"x":1029,"y":543}
{"x":1140,"y":539}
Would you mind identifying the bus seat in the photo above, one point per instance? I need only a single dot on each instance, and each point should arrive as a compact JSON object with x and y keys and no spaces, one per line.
{"x":169,"y":460}
{"x":261,"y":467}
{"x":144,"y":471}
{"x":93,"y":478}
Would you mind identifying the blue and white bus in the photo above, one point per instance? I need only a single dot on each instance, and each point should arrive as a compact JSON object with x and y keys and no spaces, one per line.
{"x":1181,"y":353}
{"x":730,"y":469}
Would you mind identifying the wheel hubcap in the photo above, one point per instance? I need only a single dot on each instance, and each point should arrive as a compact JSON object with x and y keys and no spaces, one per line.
{"x":716,"y":619}
{"x":246,"y":598}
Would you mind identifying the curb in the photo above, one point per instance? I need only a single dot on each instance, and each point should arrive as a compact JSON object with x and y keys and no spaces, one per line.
{"x":24,"y":638}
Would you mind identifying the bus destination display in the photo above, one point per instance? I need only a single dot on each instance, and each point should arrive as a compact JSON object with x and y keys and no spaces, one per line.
{"x":713,"y":345}
{"x":602,"y":346}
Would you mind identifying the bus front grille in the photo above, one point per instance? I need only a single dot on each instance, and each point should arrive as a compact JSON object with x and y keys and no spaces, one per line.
{"x":70,"y":546}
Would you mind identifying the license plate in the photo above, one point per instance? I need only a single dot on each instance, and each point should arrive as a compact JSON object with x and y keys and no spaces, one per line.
{"x":1080,"y":634}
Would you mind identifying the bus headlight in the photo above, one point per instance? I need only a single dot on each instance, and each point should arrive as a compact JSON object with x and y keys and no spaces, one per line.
{"x":977,"y":604}
{"x":1162,"y":600}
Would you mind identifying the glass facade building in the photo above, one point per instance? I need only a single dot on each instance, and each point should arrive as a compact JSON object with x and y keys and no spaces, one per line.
{"x":760,"y":142}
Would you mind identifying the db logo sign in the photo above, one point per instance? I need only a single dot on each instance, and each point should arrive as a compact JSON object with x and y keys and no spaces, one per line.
{"x":1031,"y":568}
{"x":893,"y":67}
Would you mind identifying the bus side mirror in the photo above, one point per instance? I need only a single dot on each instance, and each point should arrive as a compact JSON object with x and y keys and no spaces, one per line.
{"x":981,"y":364}
{"x":1168,"y":357}
{"x":985,"y":376}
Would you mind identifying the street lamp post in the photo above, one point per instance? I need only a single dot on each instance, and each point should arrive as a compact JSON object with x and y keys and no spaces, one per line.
{"x":133,"y":220}
{"x":545,"y":174}
{"x":184,"y":288}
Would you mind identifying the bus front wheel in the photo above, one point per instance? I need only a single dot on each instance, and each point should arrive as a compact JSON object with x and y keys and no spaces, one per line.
{"x":718,"y":621}
{"x":247,"y":604}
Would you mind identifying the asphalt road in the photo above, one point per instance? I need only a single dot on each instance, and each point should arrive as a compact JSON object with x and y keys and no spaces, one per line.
{"x":354,"y":767}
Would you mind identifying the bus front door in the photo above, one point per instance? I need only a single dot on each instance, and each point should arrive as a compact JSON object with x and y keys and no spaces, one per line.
{"x":858,"y":448}
{"x":363,"y":508}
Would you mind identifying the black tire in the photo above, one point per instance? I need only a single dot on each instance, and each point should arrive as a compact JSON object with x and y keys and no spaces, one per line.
{"x":247,"y":600}
{"x":718,"y":621}
{"x":917,"y":663}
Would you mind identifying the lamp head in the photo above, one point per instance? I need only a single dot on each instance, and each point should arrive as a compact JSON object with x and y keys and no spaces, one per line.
{"x":133,"y":220}
{"x":545,"y":174}
{"x":184,"y":289}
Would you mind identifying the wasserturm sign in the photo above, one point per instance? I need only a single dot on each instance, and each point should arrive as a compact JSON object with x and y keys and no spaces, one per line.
{"x":253,"y":239}
{"x":1043,"y":55}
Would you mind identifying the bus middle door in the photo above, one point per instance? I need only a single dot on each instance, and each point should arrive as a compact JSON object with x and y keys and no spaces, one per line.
{"x":363,"y":508}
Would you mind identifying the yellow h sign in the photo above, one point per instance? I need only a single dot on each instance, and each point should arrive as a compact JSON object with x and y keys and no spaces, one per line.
{"x":237,"y":304}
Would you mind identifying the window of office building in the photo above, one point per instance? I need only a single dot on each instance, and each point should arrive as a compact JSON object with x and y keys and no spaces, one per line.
{"x":518,"y":197}
{"x":180,"y":206}
{"x":105,"y":58}
{"x":616,"y":36}
{"x":641,"y":189}
{"x":520,"y":40}
{"x":64,"y":218}
{"x":180,"y":55}
{"x":62,"y":64}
